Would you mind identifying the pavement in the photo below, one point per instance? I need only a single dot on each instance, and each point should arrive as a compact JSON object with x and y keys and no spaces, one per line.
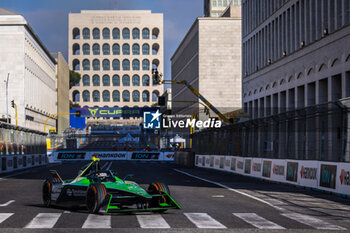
{"x":211,"y":201}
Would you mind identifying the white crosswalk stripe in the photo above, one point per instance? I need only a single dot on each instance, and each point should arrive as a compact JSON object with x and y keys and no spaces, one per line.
{"x":203,"y":220}
{"x":44,"y":220}
{"x":4,"y":216}
{"x":257,"y":221}
{"x":312,"y":221}
{"x":152,"y":221}
{"x":97,"y":221}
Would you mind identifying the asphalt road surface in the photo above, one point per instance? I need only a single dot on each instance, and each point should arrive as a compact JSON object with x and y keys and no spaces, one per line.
{"x":211,"y":201}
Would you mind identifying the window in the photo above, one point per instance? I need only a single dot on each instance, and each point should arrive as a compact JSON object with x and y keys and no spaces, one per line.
{"x":86,"y":96}
{"x":126,"y":49}
{"x":96,"y":33}
{"x":96,"y":64}
{"x":145,"y":33}
{"x":126,"y":80}
{"x":126,"y":96}
{"x":96,"y":49}
{"x":96,"y":96}
{"x":116,"y":80}
{"x":106,"y":64}
{"x":145,"y":80}
{"x":116,"y":49}
{"x":76,"y":64}
{"x":86,"y":49}
{"x":135,"y":33}
{"x":145,"y":64}
{"x":145,"y":49}
{"x":86,"y":33}
{"x":126,"y":33}
{"x":76,"y":49}
{"x":86,"y":64}
{"x":96,"y":80}
{"x":155,"y":33}
{"x":155,"y":49}
{"x":155,"y":95}
{"x":106,"y":96}
{"x":116,"y":96}
{"x":145,"y":96}
{"x":116,"y":64}
{"x":106,"y":81}
{"x":136,"y":80}
{"x":76,"y":33}
{"x":105,"y":33}
{"x":116,"y":33}
{"x":135,"y":49}
{"x":126,"y":64}
{"x":86,"y":80}
{"x":136,"y":96}
{"x":106,"y":49}
{"x":76,"y":96}
{"x":135,"y":64}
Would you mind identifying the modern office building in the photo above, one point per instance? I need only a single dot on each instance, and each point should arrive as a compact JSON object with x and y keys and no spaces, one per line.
{"x":115,"y":51}
{"x":215,"y":8}
{"x":32,"y":74}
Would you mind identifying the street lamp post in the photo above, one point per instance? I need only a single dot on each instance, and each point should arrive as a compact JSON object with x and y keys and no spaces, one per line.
{"x":7,"y":98}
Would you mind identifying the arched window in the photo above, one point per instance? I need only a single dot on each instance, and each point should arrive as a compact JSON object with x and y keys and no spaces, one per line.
{"x":76,"y":49}
{"x":86,"y":80}
{"x":126,"y":64}
{"x":96,"y":64}
{"x":105,"y":33}
{"x":116,"y":49}
{"x":155,"y":33}
{"x":116,"y":64}
{"x":76,"y":64}
{"x":96,"y":80}
{"x":145,"y":80}
{"x":86,"y":33}
{"x":155,"y":95}
{"x":106,"y":64}
{"x":136,"y":96}
{"x":76,"y":33}
{"x":145,"y":49}
{"x":106,"y":81}
{"x":126,"y":49}
{"x":86,"y":49}
{"x":106,"y":49}
{"x":86,"y":64}
{"x":96,"y":33}
{"x":116,"y":96}
{"x":135,"y":64}
{"x":126,"y":80}
{"x":86,"y":96}
{"x":145,"y":64}
{"x":126,"y":96}
{"x":96,"y":49}
{"x":136,"y":80}
{"x":96,"y":96}
{"x":145,"y":33}
{"x":116,"y":80}
{"x":135,"y":33}
{"x":136,"y":49}
{"x":145,"y":96}
{"x":76,"y":96}
{"x":116,"y":33}
{"x":126,"y":33}
{"x":106,"y":96}
{"x":155,"y":49}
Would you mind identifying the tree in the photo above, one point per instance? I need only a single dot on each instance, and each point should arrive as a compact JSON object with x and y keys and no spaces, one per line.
{"x":73,"y":105}
{"x":74,"y":78}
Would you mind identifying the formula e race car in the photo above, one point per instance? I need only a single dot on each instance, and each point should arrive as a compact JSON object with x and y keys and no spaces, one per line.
{"x":96,"y":188}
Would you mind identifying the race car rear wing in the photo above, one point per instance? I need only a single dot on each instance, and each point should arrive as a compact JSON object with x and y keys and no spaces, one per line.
{"x":56,"y":178}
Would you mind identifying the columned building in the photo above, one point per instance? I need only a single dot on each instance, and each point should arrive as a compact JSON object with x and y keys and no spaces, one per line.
{"x":215,"y":8}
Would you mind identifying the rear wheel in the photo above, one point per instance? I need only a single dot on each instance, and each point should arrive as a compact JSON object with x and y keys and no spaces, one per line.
{"x":158,"y":188}
{"x":95,"y":197}
{"x":46,"y":193}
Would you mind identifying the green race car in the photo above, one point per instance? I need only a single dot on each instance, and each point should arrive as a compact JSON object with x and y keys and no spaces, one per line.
{"x":96,"y":188}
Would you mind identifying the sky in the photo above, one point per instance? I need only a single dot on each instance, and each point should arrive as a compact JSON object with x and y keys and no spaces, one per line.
{"x":49,"y":19}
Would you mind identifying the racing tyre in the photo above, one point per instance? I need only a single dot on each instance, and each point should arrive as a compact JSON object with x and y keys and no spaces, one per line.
{"x":95,"y":197}
{"x":156,"y":188}
{"x":46,"y":192}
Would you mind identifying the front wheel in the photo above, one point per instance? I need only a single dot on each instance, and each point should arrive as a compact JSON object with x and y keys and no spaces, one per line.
{"x":95,"y":197}
{"x":46,"y":193}
{"x":158,"y":188}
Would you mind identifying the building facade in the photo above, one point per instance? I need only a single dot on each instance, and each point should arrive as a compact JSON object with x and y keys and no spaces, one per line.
{"x":32,"y":74}
{"x":115,"y":51}
{"x":215,"y":8}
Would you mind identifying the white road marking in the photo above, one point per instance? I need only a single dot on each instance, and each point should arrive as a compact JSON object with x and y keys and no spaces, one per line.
{"x":203,"y":220}
{"x":313,"y":222}
{"x":7,"y":203}
{"x":152,"y":221}
{"x":109,"y":166}
{"x":231,"y":189}
{"x":44,"y":220}
{"x":66,"y":212}
{"x":218,"y":196}
{"x":257,"y":221}
{"x":97,"y":221}
{"x":4,"y":216}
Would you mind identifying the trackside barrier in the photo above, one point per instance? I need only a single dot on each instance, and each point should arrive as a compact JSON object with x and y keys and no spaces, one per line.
{"x":12,"y":163}
{"x":111,"y":155}
{"x":184,"y":158}
{"x":326,"y":176}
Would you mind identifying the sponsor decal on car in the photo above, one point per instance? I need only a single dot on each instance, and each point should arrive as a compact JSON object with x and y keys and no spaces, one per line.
{"x":75,"y":193}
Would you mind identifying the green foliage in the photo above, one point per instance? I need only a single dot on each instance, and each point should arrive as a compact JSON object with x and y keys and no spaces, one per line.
{"x":73,"y":105}
{"x":74,"y":78}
